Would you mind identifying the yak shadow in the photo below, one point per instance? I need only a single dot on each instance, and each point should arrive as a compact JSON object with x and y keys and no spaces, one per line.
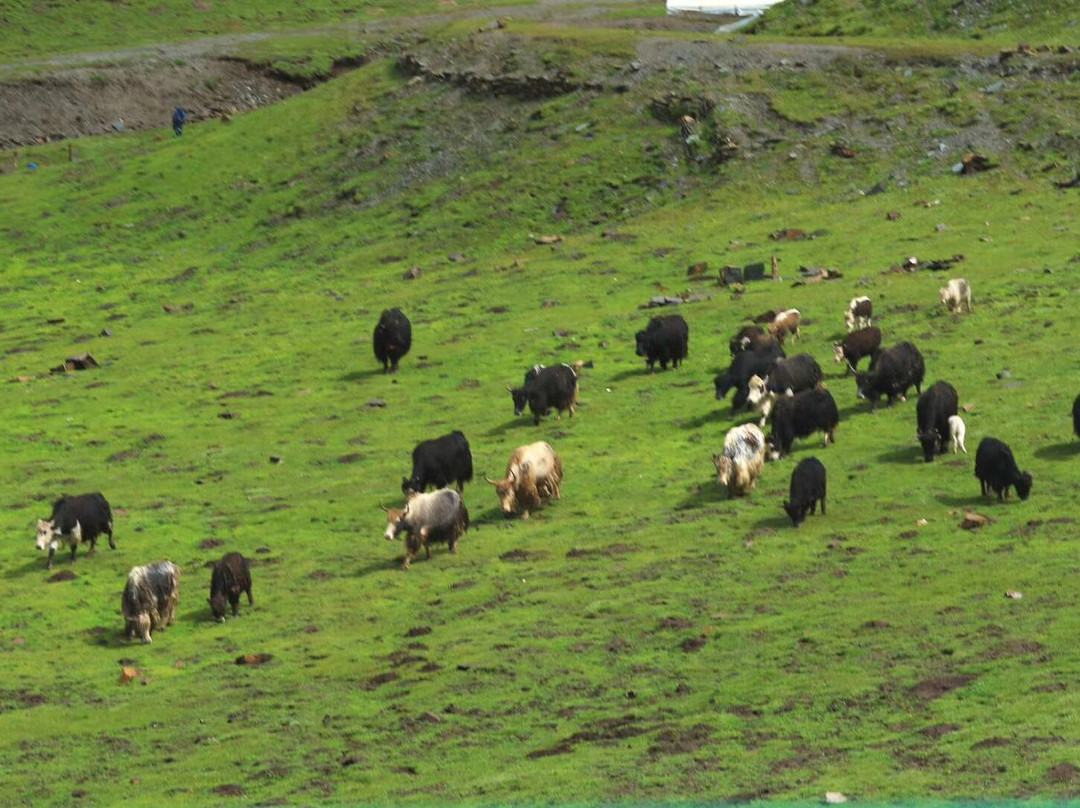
{"x":780,"y":521}
{"x":517,"y":422}
{"x":716,"y":415}
{"x":974,"y":501}
{"x":362,"y":375}
{"x":388,"y":564}
{"x":1058,"y":451}
{"x":34,"y":565}
{"x":630,"y":373}
{"x":709,"y":493}
{"x":903,"y":456}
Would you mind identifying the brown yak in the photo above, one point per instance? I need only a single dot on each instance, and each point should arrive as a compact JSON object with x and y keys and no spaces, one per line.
{"x":533,"y":474}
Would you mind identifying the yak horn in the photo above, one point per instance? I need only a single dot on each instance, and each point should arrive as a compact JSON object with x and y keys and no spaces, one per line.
{"x":488,"y":479}
{"x":383,"y":508}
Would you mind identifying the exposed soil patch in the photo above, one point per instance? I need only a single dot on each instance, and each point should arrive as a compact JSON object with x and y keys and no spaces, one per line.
{"x":991,"y":743}
{"x":1014,"y":648}
{"x":938,"y":686}
{"x":1063,"y":773}
{"x":605,"y":731}
{"x":939,"y":730}
{"x":109,"y":98}
{"x":518,"y":554}
{"x":210,"y":544}
{"x":380,"y":679}
{"x":673,"y":623}
{"x":228,"y":790}
{"x":681,"y":741}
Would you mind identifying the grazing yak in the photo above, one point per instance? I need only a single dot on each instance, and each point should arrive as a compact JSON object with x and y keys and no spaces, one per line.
{"x":996,"y":469}
{"x":786,"y":377}
{"x":392,"y":338}
{"x":807,"y":489}
{"x":891,"y":373}
{"x":786,"y":322}
{"x":150,"y":598}
{"x":533,"y":474}
{"x":664,"y":340}
{"x":957,"y":431}
{"x":742,"y":460}
{"x":936,"y":406}
{"x":859,"y":313}
{"x":230,"y":576}
{"x":852,"y":348}
{"x":956,"y":295}
{"x":800,"y":416}
{"x":743,"y":366}
{"x":74,"y":520}
{"x":440,"y":516}
{"x":546,"y":388}
{"x":439,"y":462}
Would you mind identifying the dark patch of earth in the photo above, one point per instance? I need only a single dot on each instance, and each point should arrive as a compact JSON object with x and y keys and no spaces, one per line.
{"x":937,"y":686}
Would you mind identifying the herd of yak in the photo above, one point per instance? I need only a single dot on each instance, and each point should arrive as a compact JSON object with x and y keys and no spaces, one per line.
{"x":786,"y":390}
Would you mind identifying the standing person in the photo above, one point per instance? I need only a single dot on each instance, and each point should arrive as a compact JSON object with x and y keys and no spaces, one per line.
{"x":179,"y":118}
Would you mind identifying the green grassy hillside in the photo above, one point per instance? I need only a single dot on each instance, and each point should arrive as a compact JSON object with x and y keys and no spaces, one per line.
{"x":643,"y":640}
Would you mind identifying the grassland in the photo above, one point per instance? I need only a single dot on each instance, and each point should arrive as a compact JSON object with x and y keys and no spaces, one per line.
{"x":643,"y":640}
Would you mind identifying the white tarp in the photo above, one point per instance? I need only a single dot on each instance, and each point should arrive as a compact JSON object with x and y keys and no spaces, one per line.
{"x":738,"y":7}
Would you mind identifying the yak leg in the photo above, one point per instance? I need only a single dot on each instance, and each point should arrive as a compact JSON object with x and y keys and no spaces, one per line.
{"x":52,"y":552}
{"x":822,"y":504}
{"x":424,"y":542}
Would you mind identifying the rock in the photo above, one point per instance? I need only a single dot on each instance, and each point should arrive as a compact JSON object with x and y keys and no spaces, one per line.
{"x":254,"y":659}
{"x":834,"y":798}
{"x":127,"y":674}
{"x":973,"y":520}
{"x":547,"y":239}
{"x":1013,"y":594}
{"x":412,"y":273}
{"x":1004,"y":374}
{"x":375,"y":403}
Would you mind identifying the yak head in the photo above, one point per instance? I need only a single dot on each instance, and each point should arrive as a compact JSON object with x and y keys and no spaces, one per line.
{"x":410,"y":487}
{"x":838,"y":352}
{"x":521,"y":399}
{"x":217,"y":606}
{"x":929,"y":441}
{"x":642,"y":338}
{"x":723,"y":384}
{"x":1023,"y":485}
{"x":758,"y":388}
{"x":506,"y":490}
{"x":47,"y":534}
{"x":395,"y":521}
{"x":796,"y":512}
{"x":723,"y":469}
{"x":862,"y":382}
